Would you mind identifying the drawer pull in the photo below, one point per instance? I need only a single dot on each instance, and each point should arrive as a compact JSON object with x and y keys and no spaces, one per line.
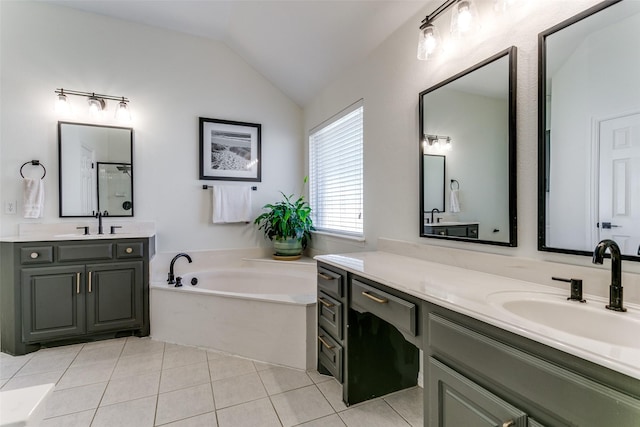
{"x":34,"y":255}
{"x":509,"y":423}
{"x":325,"y":276}
{"x":89,"y":282}
{"x":325,"y":302}
{"x":326,"y":344}
{"x":376,"y":299}
{"x":77,"y":282}
{"x":129,"y":250}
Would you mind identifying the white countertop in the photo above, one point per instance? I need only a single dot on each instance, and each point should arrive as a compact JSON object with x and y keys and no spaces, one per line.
{"x":64,"y":231}
{"x":467,"y":291}
{"x":74,"y":236}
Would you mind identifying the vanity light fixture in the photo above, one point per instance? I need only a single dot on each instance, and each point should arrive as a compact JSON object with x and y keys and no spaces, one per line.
{"x":436,"y":142}
{"x":464,"y":19}
{"x":97,"y":103}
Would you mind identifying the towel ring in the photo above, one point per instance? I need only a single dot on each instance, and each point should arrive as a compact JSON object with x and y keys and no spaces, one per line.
{"x":457,"y":187}
{"x":34,"y":163}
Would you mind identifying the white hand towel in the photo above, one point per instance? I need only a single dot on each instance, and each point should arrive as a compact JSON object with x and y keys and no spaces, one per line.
{"x":231,"y":204}
{"x":455,"y":201}
{"x":33,"y":198}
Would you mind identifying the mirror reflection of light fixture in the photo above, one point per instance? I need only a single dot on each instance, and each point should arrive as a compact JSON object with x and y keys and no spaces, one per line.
{"x":97,"y":103}
{"x":436,"y":142}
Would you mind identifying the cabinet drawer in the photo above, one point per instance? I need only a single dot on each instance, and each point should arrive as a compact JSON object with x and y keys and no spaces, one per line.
{"x":330,"y":282}
{"x":330,"y":315}
{"x":400,"y":313}
{"x":565,"y":395}
{"x":36,"y":255}
{"x":330,"y":354}
{"x":85,"y":252}
{"x":129,"y":250}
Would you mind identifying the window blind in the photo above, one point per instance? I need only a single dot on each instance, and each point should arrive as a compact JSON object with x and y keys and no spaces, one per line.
{"x":336,"y":173}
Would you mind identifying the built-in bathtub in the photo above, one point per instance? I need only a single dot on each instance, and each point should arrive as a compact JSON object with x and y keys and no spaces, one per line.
{"x":263,"y":311}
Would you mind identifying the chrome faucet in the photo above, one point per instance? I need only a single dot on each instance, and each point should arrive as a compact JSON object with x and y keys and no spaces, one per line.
{"x":432,"y":211}
{"x":615,"y":289}
{"x":171,"y":278}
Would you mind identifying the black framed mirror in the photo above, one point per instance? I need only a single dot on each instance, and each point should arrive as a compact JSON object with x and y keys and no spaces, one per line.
{"x":589,"y":131}
{"x":470,"y":119}
{"x":95,"y":170}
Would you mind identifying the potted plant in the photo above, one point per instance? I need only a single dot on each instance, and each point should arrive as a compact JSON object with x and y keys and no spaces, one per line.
{"x":288,"y":224}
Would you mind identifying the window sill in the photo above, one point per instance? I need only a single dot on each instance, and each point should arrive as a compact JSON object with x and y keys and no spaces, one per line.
{"x":340,"y":236}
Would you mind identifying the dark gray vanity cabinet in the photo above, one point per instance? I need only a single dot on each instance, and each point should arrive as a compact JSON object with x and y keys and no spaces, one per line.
{"x":80,"y":290}
{"x":477,"y":375}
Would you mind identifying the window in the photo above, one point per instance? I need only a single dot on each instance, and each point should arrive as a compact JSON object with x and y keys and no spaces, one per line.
{"x":335,"y":173}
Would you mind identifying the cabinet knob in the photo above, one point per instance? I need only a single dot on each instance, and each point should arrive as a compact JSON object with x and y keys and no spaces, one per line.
{"x":509,"y":423}
{"x":34,"y":255}
{"x":129,"y":250}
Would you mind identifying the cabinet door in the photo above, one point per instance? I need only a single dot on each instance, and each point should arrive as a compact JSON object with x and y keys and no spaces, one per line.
{"x":114,"y":295}
{"x":52,"y":303}
{"x":456,"y":401}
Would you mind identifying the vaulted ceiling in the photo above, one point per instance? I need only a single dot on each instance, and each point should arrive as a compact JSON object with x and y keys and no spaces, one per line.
{"x":299,"y":45}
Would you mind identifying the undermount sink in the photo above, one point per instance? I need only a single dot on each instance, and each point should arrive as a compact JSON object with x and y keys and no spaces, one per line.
{"x":589,"y":320}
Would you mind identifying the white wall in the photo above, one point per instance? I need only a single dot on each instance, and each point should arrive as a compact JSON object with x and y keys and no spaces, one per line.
{"x":389,"y":81}
{"x":171,"y":79}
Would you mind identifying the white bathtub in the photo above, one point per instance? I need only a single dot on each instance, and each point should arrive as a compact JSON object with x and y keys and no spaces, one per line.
{"x":259,"y":313}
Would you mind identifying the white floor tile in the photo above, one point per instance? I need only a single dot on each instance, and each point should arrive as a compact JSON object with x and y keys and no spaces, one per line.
{"x":317,"y":377}
{"x":137,"y":365}
{"x":332,"y":391}
{"x":301,"y":405}
{"x":409,"y":404}
{"x":376,"y":413}
{"x":141,"y":346}
{"x":47,"y":362}
{"x":31,"y":380}
{"x":230,"y":366}
{"x":86,"y":374}
{"x":10,"y":365}
{"x":123,"y":389}
{"x":184,"y":403}
{"x":330,"y":421}
{"x":252,"y":414}
{"x":278,"y":380}
{"x":79,"y":419}
{"x":184,"y":376}
{"x":176,"y":356}
{"x":97,"y":354}
{"x":75,"y":399}
{"x":138,"y":413}
{"x":204,"y":420}
{"x":237,"y":390}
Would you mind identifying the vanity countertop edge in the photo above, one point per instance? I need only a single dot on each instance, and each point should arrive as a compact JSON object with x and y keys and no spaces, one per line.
{"x":466,"y":292}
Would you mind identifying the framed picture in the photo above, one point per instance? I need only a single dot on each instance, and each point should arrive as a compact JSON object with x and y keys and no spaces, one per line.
{"x":229,"y":150}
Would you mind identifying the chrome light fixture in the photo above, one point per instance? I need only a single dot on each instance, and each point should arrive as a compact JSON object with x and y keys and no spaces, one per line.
{"x":436,"y":142}
{"x":97,"y":103}
{"x":464,"y":19}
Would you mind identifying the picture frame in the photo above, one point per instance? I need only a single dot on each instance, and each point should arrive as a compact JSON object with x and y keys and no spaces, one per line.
{"x":230,"y":150}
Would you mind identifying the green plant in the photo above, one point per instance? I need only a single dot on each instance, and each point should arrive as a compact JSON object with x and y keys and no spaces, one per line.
{"x":287,"y":219}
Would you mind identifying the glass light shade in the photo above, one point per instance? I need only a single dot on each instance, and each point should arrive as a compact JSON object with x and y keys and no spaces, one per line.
{"x":429,"y":42}
{"x":464,"y":18}
{"x":62,"y":104}
{"x":96,"y":105}
{"x":447,"y":144}
{"x":122,"y":112}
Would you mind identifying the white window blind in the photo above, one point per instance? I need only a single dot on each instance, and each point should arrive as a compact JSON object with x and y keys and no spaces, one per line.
{"x":335,"y":175}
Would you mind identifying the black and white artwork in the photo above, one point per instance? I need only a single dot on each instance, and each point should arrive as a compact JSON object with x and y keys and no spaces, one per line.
{"x":229,"y":150}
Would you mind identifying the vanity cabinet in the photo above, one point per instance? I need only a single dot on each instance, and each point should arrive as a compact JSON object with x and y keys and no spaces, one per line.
{"x":70,"y":290}
{"x":368,"y":335}
{"x":488,"y":376}
{"x":464,"y":230}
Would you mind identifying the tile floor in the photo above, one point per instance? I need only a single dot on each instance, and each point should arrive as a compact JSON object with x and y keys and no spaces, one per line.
{"x":140,"y":382}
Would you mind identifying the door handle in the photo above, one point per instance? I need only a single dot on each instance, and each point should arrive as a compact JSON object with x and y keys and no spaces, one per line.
{"x":325,"y":276}
{"x":608,"y":225}
{"x":89,"y":282}
{"x":77,"y":282}
{"x":326,"y":344}
{"x":376,"y":299}
{"x":325,"y":303}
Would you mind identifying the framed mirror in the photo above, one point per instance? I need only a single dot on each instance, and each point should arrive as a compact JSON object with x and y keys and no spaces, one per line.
{"x":589,"y":131}
{"x":95,"y":170}
{"x":469,"y":120}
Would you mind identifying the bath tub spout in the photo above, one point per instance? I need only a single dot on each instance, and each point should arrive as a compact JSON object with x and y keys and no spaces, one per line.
{"x":171,"y":277}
